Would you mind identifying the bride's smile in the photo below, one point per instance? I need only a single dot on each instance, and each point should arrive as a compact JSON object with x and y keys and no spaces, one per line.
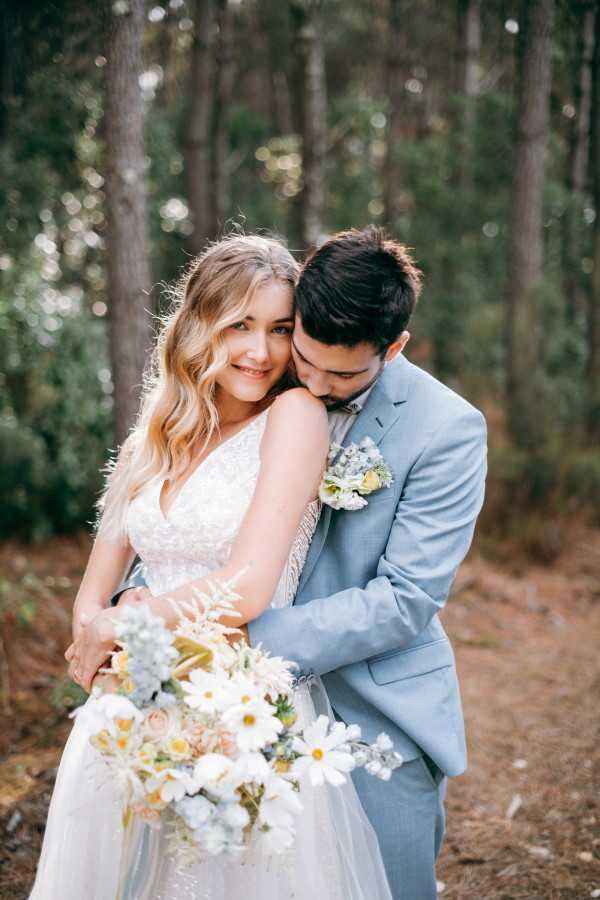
{"x":258,"y":348}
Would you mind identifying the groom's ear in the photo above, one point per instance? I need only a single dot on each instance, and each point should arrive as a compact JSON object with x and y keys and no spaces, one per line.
{"x":398,"y":346}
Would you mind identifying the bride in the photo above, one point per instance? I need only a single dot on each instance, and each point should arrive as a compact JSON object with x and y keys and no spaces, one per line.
{"x":219,"y":477}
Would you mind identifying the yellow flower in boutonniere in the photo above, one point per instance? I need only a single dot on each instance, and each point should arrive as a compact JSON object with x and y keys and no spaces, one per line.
{"x":370,"y":482}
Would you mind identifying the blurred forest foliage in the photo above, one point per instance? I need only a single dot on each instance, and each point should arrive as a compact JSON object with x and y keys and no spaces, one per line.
{"x":301,"y":117}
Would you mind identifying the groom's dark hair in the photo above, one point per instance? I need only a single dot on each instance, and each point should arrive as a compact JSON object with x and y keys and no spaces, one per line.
{"x":358,"y":287}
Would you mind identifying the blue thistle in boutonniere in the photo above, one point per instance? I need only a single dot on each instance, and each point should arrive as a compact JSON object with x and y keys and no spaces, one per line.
{"x":352,"y":473}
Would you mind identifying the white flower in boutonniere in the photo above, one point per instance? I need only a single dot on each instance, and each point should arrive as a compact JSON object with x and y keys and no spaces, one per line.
{"x":352,"y":473}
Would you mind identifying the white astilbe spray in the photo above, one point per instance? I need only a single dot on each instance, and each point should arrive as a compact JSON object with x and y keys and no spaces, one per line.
{"x":271,"y":673}
{"x":198,"y":622}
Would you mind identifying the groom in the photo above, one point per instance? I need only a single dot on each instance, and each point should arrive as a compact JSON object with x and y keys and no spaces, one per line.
{"x":365,"y":616}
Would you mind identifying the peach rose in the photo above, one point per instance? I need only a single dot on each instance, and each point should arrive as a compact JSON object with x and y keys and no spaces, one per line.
{"x":211,"y":740}
{"x":157,"y":723}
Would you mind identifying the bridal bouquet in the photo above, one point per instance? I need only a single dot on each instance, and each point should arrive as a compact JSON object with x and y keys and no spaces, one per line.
{"x":201,"y":734}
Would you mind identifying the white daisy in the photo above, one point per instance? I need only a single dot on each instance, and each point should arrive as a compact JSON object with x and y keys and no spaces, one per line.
{"x":241,"y":689}
{"x":253,"y":723}
{"x":203,"y":692}
{"x":320,"y":758}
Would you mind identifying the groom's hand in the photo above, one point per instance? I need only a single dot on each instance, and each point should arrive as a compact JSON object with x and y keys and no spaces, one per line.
{"x":134,"y":596}
{"x":240,"y":635}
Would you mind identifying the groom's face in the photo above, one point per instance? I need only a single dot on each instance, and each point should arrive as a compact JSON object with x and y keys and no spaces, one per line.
{"x":335,"y":373}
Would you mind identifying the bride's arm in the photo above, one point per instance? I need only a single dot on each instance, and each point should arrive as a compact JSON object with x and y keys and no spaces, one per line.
{"x":293,"y":454}
{"x":106,"y":567}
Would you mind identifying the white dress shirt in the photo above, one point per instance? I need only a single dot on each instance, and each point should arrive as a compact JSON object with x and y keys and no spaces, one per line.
{"x":342,"y":420}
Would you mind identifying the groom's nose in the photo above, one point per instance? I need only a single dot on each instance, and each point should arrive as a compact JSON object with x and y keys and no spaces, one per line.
{"x":316,"y":382}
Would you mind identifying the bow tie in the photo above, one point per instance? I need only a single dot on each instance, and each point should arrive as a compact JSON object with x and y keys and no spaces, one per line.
{"x":353,"y":408}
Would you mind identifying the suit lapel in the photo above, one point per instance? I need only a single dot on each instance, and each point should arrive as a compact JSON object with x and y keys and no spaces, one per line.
{"x":381,"y":410}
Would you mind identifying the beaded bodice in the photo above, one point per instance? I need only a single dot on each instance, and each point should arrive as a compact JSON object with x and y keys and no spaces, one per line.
{"x":197,"y":534}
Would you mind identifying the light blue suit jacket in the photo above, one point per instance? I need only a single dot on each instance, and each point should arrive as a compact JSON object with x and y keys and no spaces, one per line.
{"x":366,"y":613}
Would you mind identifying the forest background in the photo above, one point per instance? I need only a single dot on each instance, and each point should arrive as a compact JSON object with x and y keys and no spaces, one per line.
{"x":133,"y":132}
{"x":464,"y":128}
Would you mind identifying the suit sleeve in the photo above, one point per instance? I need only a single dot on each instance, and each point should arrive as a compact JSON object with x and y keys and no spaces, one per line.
{"x":430,"y":536}
{"x":134,"y":579}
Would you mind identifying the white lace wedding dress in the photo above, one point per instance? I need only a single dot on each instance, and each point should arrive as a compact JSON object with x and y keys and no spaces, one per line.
{"x":336,"y":855}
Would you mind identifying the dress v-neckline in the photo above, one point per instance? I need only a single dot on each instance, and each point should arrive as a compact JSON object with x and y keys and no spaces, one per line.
{"x":165,"y":516}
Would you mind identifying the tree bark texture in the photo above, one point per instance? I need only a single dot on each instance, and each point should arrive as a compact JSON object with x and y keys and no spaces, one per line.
{"x":593,"y":392}
{"x":197,"y":140}
{"x":526,"y":245}
{"x":394,"y":84}
{"x":220,"y":131}
{"x":468,"y":51}
{"x":127,"y":258}
{"x":578,"y":162}
{"x":206,"y":140}
{"x":314,"y":137}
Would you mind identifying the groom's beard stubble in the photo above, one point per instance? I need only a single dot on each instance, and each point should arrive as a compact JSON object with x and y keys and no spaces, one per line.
{"x":334,"y":403}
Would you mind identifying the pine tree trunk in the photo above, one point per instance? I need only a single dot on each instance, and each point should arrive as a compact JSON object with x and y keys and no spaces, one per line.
{"x":525,"y":410}
{"x":578,"y":163}
{"x":593,"y":392}
{"x":219,"y":129}
{"x":197,"y":141}
{"x":394,"y":67}
{"x":295,"y":218}
{"x":127,"y":258}
{"x":314,"y":137}
{"x":468,"y":50}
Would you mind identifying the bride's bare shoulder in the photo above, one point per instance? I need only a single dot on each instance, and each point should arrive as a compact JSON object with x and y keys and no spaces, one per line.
{"x":297,"y":421}
{"x":298,"y":405}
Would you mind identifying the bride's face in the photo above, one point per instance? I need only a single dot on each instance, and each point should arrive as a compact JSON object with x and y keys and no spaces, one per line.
{"x":259,"y":345}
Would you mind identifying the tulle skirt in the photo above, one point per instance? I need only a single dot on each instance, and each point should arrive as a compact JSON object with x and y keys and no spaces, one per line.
{"x":87,"y":854}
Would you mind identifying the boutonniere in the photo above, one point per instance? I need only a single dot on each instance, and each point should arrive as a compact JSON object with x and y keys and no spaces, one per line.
{"x":352,"y":473}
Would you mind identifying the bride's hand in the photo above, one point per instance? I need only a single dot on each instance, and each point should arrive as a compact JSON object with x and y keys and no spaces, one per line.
{"x":92,"y":648}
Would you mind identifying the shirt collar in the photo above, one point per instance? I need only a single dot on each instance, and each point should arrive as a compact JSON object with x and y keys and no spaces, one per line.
{"x":356,"y":406}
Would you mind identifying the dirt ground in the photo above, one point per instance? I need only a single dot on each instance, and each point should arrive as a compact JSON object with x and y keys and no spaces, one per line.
{"x":523,"y":822}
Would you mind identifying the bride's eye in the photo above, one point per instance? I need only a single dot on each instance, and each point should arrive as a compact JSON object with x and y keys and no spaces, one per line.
{"x":282,"y":329}
{"x":239,"y":326}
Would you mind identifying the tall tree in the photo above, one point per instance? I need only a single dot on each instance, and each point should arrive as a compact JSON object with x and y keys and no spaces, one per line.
{"x":593,"y":405}
{"x":220,"y":129}
{"x":394,"y":84}
{"x":578,"y":157}
{"x":127,"y":258}
{"x":206,"y":139}
{"x":314,"y":135}
{"x":526,"y":245}
{"x":197,"y":138}
{"x":468,"y":51}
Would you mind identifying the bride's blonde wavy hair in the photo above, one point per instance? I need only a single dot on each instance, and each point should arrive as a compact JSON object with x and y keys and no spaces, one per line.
{"x":178,"y":405}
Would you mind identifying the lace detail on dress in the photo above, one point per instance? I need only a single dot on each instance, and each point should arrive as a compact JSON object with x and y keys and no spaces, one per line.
{"x":288,"y":585}
{"x":197,"y":534}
